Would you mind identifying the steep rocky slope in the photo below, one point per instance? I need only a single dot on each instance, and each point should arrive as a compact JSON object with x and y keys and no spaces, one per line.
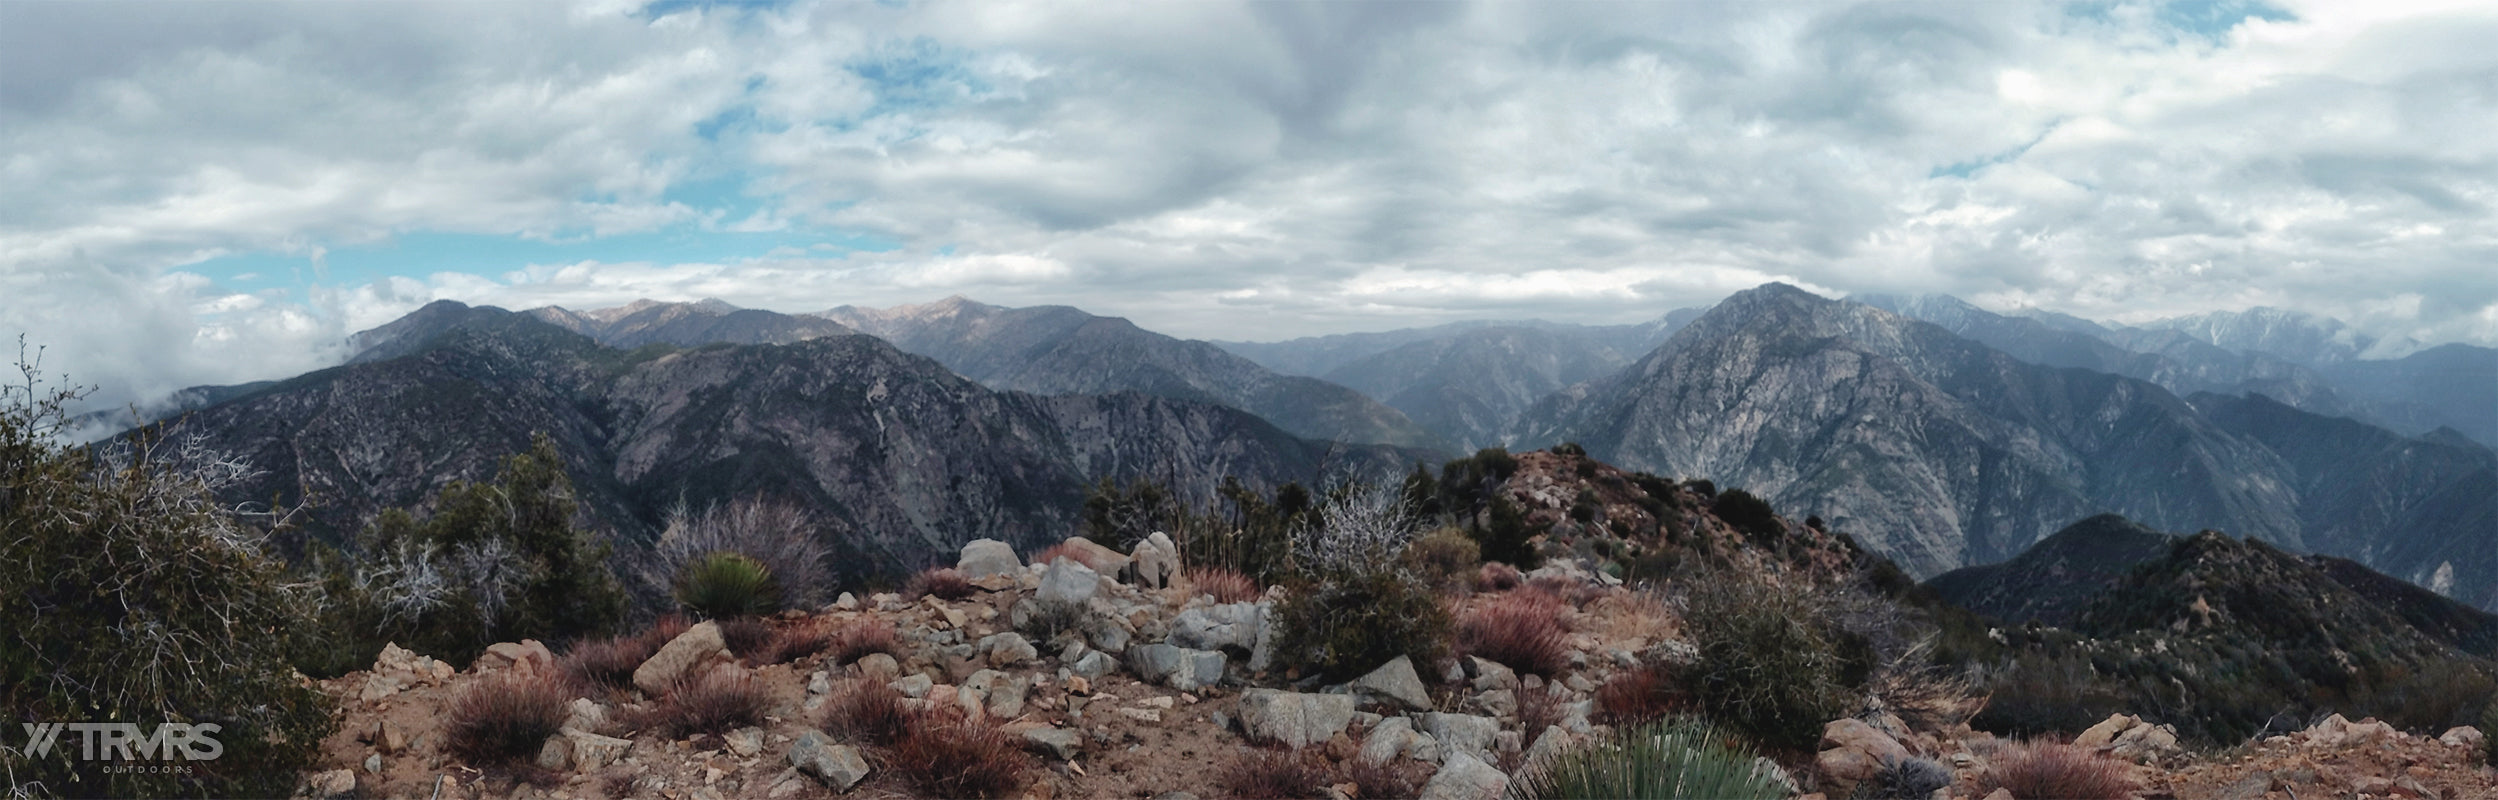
{"x":1934,"y":450}
{"x":906,"y":459}
{"x":2423,"y":509}
{"x":1061,"y":350}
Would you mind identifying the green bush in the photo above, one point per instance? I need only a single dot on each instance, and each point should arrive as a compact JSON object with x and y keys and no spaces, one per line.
{"x":1749,"y":514}
{"x":1670,"y":759}
{"x":133,"y":595}
{"x":1345,"y":624}
{"x":1774,"y":662}
{"x":725,"y":585}
{"x":1443,"y":554}
{"x":495,"y":562}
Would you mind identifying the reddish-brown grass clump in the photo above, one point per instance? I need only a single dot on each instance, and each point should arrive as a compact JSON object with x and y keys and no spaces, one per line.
{"x":610,"y":662}
{"x":943,"y":583}
{"x":857,"y":639}
{"x":865,"y":712}
{"x":1224,"y":585}
{"x":720,"y":701}
{"x":1495,"y":576}
{"x":2051,"y":769}
{"x":746,"y":637}
{"x":797,"y":642}
{"x":1645,"y":694}
{"x":1522,"y":630}
{"x":947,"y":756}
{"x":505,"y":718}
{"x":1265,"y":774}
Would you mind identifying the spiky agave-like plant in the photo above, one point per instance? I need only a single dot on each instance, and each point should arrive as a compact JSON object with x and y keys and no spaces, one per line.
{"x":1670,"y":758}
{"x":725,"y":585}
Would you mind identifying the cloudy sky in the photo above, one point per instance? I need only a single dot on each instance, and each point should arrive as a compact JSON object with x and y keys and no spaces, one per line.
{"x":202,"y":192}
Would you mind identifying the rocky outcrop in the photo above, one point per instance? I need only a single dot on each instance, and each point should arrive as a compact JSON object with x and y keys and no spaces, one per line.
{"x":1293,"y":719}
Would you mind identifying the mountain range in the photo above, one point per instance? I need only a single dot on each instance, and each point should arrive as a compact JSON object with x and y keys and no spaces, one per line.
{"x":1939,"y":434}
{"x":902,"y":458}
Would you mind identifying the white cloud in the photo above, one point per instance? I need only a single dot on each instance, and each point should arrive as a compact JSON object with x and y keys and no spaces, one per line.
{"x":1240,"y":169}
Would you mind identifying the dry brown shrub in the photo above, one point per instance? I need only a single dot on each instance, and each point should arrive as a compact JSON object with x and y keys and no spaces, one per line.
{"x":1225,"y":585}
{"x":1521,"y":629}
{"x":2054,"y":769}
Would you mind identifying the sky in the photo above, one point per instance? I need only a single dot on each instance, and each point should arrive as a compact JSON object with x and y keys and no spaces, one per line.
{"x":216,"y":192}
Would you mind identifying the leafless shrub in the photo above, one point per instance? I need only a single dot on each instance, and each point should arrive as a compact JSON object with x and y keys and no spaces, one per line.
{"x":1361,"y":530}
{"x":785,"y":538}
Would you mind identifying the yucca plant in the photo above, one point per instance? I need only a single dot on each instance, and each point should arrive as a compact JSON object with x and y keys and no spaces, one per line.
{"x":726,"y":585}
{"x":1672,"y":758}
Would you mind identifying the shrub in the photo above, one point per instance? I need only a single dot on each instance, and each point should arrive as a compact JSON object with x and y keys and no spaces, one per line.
{"x":724,"y":585}
{"x":1749,"y":514}
{"x":607,"y":663}
{"x":132,"y":593}
{"x":1645,"y":694}
{"x":797,"y":642}
{"x":1224,"y":585}
{"x":2050,"y":769}
{"x":1443,"y":554}
{"x":1770,"y":664}
{"x":1346,"y":624}
{"x":865,"y":712}
{"x":1497,"y":577}
{"x":504,"y":718}
{"x":2489,"y":731}
{"x":943,"y":583}
{"x":946,"y":756}
{"x":1043,"y":621}
{"x":746,"y":637}
{"x":1672,"y":759}
{"x":784,"y":537}
{"x":1386,"y":779}
{"x":719,"y":701}
{"x":1521,"y":630}
{"x":1259,"y":773}
{"x":855,"y":639}
{"x":1910,"y":778}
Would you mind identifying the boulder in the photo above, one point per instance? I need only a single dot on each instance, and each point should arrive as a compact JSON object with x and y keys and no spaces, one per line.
{"x":1177,"y":667}
{"x":333,"y":783}
{"x":985,"y":557}
{"x":2100,"y":735}
{"x":695,"y":647}
{"x":838,"y":765}
{"x":1490,"y":675}
{"x":2145,"y":744}
{"x":1464,"y":777}
{"x":1461,"y":733}
{"x":1156,"y":560}
{"x":1102,"y":559}
{"x":745,"y":741}
{"x":1068,"y":581}
{"x":1006,"y":697}
{"x":1548,"y":745}
{"x":585,"y":715}
{"x":555,"y":754}
{"x":1232,"y":626}
{"x":2464,"y":736}
{"x":1093,"y":665}
{"x":879,"y":667}
{"x":526,"y":657}
{"x":1010,"y":648}
{"x":1387,"y":740}
{"x":1395,"y":683}
{"x":1058,"y":743}
{"x":1293,"y":719}
{"x":1852,"y":752}
{"x":1497,"y":703}
{"x":914,"y":686}
{"x":592,"y":752}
